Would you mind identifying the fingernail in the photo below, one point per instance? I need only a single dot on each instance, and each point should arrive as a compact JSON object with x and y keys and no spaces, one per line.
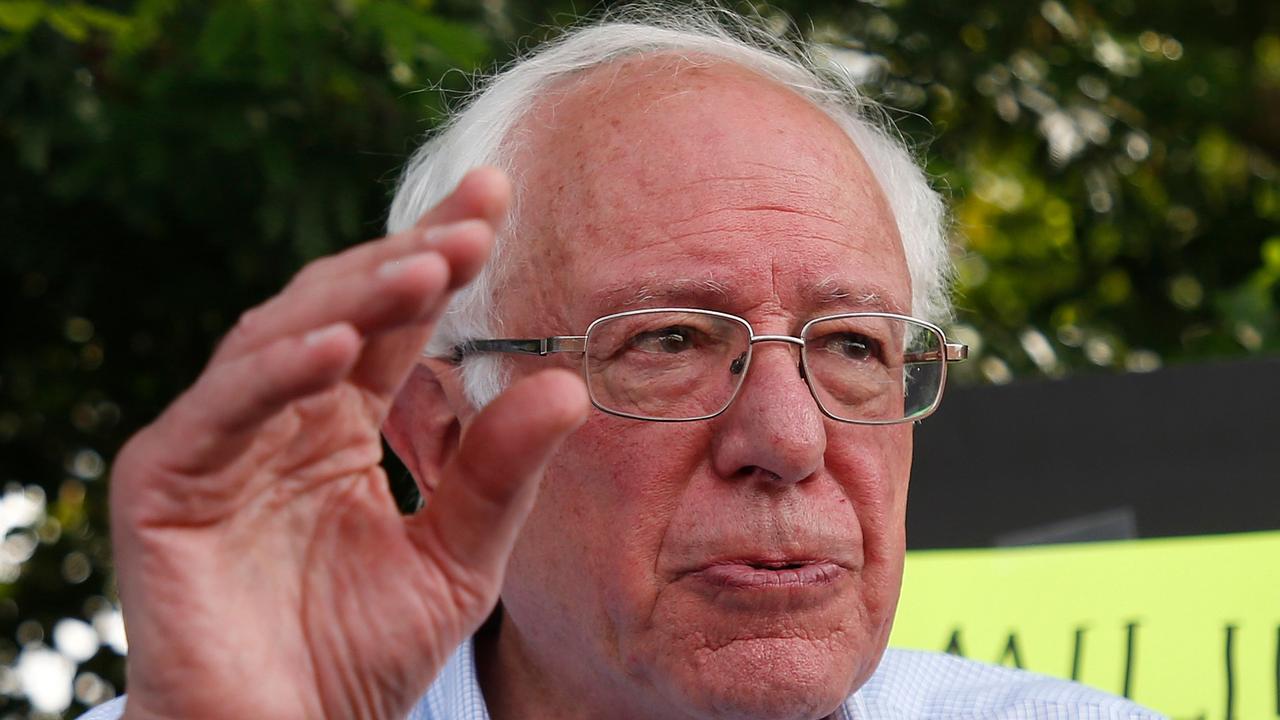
{"x":315,"y":337}
{"x":438,"y":233}
{"x":391,"y":268}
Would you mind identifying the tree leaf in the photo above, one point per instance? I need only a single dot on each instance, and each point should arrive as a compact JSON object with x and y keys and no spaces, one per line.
{"x":20,"y":15}
{"x":68,"y":24}
{"x":463,"y":45}
{"x":223,"y":34}
{"x":101,"y":19}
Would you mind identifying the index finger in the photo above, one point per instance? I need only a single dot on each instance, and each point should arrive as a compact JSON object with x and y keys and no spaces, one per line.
{"x":483,"y":192}
{"x":482,"y":196}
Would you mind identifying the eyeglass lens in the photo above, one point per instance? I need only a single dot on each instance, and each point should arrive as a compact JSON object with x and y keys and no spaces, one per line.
{"x":683,"y":365}
{"x":873,"y":368}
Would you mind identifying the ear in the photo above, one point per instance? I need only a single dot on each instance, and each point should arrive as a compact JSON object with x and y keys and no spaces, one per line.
{"x":425,"y":422}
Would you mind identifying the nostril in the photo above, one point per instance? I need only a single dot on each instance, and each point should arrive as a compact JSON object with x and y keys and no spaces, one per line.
{"x":767,"y":478}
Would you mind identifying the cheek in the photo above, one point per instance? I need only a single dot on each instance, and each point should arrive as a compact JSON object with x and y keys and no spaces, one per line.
{"x":875,"y":476}
{"x":586,"y":558}
{"x":873,"y":466}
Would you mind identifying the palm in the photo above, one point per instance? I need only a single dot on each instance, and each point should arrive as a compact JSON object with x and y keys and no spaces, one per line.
{"x":303,"y":541}
{"x":265,"y":569}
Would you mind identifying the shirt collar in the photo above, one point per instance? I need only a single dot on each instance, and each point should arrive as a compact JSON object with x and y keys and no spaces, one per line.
{"x":455,"y":694}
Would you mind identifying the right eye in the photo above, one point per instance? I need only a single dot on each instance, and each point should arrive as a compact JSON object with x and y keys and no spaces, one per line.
{"x":854,"y":346}
{"x":673,"y":339}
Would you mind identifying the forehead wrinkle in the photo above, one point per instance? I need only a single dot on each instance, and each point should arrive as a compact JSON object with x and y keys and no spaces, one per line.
{"x":778,"y":189}
{"x":747,"y":231}
{"x":831,"y":290}
{"x":749,"y":221}
{"x":771,"y":173}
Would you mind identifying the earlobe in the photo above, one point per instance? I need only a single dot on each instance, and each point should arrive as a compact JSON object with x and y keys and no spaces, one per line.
{"x":424,"y":426}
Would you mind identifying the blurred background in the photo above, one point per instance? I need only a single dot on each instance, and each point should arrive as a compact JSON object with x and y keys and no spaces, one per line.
{"x":165,"y":164}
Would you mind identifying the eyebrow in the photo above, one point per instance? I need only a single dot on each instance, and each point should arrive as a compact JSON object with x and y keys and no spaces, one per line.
{"x":832,"y":291}
{"x":694,"y":292}
{"x":670,"y":290}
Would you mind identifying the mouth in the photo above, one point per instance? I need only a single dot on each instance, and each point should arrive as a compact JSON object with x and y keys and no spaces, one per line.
{"x":777,"y":564}
{"x":762,"y":574}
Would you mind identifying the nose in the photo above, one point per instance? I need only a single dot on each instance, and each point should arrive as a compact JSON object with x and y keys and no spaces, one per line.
{"x":773,"y":431}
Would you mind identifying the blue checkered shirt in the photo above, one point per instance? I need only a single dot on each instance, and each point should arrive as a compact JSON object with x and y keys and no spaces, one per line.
{"x":908,"y":685}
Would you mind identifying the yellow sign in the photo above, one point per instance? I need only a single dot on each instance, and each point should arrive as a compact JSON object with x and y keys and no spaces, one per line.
{"x":1187,"y":626}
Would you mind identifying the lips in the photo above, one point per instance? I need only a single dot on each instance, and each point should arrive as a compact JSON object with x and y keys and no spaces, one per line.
{"x":761,"y":574}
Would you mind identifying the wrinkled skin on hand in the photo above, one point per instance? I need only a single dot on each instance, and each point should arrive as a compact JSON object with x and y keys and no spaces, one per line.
{"x":263,"y":567}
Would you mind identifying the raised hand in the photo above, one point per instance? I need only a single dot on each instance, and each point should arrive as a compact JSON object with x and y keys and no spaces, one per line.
{"x":263,"y":567}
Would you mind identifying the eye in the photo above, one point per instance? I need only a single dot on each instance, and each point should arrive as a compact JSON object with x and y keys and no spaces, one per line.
{"x":673,"y":339}
{"x":853,"y":346}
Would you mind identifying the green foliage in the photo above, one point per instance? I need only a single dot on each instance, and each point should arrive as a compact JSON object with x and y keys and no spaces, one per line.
{"x":1113,"y":171}
{"x":168,"y":163}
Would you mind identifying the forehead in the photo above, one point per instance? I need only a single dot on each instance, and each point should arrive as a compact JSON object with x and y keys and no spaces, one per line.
{"x":678,"y":180}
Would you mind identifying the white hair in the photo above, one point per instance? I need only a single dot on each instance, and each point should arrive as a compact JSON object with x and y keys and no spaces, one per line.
{"x":477,"y":135}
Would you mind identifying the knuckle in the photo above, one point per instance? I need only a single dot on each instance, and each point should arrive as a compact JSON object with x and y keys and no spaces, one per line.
{"x":248,"y":322}
{"x":315,"y":270}
{"x":126,"y":462}
{"x":132,"y":466}
{"x":240,"y":336}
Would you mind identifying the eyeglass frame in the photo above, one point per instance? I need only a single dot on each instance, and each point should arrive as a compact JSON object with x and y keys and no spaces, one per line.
{"x":951,"y":352}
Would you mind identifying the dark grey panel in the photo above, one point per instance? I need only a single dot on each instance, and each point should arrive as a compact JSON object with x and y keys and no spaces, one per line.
{"x":1183,"y":451}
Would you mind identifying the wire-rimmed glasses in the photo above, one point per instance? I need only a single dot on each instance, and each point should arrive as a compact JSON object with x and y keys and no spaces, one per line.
{"x":683,"y":364}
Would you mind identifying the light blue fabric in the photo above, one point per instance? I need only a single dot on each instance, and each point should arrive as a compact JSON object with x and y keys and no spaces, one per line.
{"x":908,"y":685}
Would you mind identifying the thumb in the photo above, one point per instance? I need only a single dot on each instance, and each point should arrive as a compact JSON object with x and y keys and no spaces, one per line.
{"x":472,"y":520}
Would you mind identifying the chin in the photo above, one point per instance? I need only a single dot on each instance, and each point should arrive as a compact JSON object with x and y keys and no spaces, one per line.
{"x":770,"y":678}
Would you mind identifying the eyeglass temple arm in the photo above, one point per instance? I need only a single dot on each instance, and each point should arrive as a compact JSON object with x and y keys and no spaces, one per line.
{"x":527,"y":346}
{"x":952,"y":352}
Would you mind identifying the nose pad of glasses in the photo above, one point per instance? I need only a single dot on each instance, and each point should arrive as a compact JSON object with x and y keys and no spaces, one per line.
{"x":739,"y":363}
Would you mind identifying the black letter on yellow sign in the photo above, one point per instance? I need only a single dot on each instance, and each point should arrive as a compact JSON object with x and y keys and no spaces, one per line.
{"x":1077,"y":654}
{"x":1011,"y":650}
{"x":1229,"y":654}
{"x":1130,"y":631}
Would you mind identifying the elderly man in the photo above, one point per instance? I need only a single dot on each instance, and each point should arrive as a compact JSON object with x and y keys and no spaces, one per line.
{"x":710,"y":244}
